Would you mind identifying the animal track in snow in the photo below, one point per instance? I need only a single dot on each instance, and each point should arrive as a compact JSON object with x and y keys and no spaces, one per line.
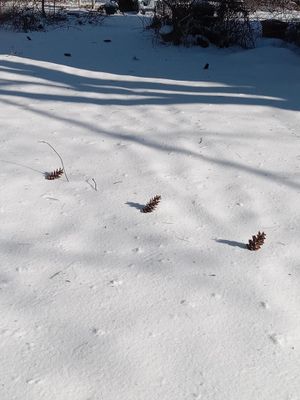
{"x":98,"y":332}
{"x":29,"y":346}
{"x":277,"y":339}
{"x":115,"y":283}
{"x":137,"y":250}
{"x":33,"y":381}
{"x":264,"y":304}
{"x":3,"y":283}
{"x":216,"y":296}
{"x":16,"y":333}
{"x":49,"y":196}
{"x":5,"y":332}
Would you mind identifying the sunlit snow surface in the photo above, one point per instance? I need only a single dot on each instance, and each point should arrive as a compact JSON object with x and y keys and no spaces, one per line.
{"x":99,"y":301}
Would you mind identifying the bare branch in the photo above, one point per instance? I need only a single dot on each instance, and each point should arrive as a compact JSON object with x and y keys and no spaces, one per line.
{"x":61,"y":160}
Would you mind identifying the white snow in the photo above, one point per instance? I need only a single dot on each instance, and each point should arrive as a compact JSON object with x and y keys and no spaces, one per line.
{"x":99,"y":301}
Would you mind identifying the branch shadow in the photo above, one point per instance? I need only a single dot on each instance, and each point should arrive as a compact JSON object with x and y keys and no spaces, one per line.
{"x":262,"y":173}
{"x":23,"y":166}
{"x":243,"y":89}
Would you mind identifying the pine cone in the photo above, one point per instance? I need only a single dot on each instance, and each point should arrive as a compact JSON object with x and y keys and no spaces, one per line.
{"x":54,"y":175}
{"x":151,"y":205}
{"x":257,"y":241}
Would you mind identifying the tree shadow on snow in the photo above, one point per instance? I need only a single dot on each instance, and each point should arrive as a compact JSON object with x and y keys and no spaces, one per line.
{"x":137,"y":92}
{"x":231,"y":81}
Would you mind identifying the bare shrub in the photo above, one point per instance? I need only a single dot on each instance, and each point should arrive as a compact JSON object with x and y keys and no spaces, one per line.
{"x":128,"y":5}
{"x":271,"y":6}
{"x":22,"y":15}
{"x":222,"y":22}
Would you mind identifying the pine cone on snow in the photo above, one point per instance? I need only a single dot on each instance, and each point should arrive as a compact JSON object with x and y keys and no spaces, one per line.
{"x":151,"y":205}
{"x":257,"y":241}
{"x":57,"y":173}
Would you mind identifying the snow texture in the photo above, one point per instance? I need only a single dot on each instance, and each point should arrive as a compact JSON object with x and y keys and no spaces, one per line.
{"x":99,"y":301}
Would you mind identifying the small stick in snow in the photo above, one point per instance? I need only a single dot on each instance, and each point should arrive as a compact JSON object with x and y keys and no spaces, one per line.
{"x":54,"y":275}
{"x":61,"y":160}
{"x":95,"y":184}
{"x":185,"y":240}
{"x":92,"y":185}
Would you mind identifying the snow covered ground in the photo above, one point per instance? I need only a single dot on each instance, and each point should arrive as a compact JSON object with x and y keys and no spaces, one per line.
{"x":99,"y":301}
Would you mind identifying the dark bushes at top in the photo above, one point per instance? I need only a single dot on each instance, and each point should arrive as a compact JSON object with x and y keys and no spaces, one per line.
{"x":222,"y":22}
{"x":128,"y":5}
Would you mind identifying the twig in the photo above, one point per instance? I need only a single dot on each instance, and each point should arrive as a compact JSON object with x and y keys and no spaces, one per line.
{"x":61,"y":160}
{"x":94,"y":185}
{"x":185,"y":240}
{"x":54,"y":275}
{"x":64,"y":270}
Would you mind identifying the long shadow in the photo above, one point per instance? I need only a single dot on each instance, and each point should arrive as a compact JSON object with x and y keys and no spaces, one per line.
{"x":23,"y":166}
{"x":232,"y":243}
{"x":91,"y":55}
{"x":138,"y":206}
{"x":262,"y":173}
{"x":226,"y":89}
{"x":142,"y":92}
